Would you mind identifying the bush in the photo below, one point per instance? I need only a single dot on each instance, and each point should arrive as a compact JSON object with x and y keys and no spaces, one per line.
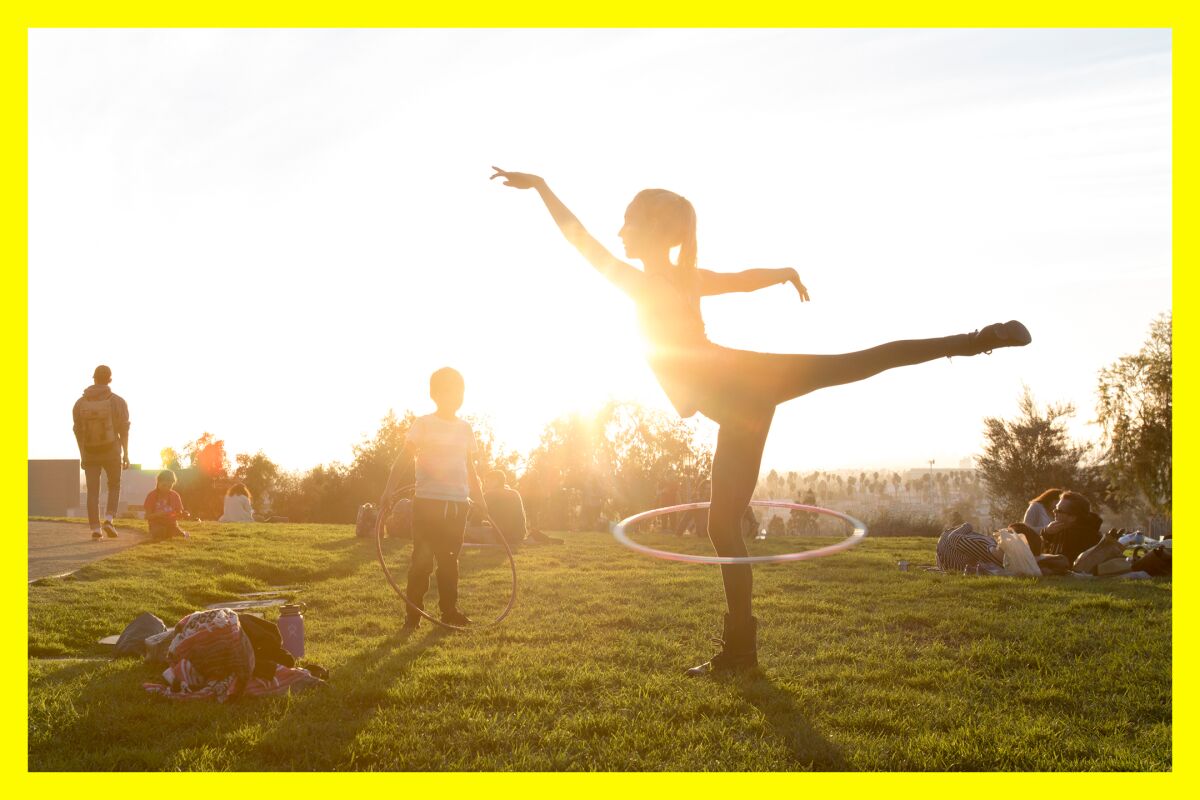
{"x":889,"y":522}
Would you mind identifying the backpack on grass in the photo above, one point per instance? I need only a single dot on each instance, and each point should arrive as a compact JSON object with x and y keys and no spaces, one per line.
{"x":132,"y":641}
{"x":364,"y":524}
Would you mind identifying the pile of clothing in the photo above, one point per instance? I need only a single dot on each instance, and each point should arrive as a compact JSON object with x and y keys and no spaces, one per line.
{"x":217,"y":655}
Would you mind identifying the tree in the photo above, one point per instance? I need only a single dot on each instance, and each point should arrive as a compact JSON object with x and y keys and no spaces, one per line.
{"x":259,"y":473}
{"x":367,"y":475}
{"x":171,"y":459}
{"x":319,"y":495}
{"x":207,"y":454}
{"x":201,"y":483}
{"x":1134,"y":411}
{"x":1023,"y":457}
{"x":634,"y":448}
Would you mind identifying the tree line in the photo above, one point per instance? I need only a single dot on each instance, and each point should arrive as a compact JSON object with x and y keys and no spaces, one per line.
{"x":626,"y":452}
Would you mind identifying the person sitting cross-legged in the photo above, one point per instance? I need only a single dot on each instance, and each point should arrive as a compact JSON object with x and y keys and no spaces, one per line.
{"x":164,"y":508}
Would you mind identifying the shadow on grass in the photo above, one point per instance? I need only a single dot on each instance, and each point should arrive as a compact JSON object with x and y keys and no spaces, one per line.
{"x":169,"y":728}
{"x":356,"y":693}
{"x":806,"y":747}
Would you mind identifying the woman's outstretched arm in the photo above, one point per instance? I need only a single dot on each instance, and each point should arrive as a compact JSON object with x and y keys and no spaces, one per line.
{"x":749,"y":281}
{"x":623,"y":275}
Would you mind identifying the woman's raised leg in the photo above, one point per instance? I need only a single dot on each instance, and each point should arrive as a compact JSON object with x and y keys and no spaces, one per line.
{"x":784,"y":377}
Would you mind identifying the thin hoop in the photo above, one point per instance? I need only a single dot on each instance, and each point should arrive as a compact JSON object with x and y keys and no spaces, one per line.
{"x":859,"y":533}
{"x":380,"y":526}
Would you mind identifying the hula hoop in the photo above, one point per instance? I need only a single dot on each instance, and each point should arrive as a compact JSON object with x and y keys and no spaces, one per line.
{"x":380,"y":527}
{"x":859,"y":533}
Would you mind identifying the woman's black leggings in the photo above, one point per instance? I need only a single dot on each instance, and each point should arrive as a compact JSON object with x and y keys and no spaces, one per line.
{"x":763,"y":381}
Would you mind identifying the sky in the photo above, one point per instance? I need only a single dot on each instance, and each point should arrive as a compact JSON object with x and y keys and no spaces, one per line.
{"x":277,"y":235}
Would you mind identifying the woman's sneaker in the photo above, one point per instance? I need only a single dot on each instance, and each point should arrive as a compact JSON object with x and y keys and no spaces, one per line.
{"x":97,"y":536}
{"x":997,"y":335}
{"x":109,"y":529}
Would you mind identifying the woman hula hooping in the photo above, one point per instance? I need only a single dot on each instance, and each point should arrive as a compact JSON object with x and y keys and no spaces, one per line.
{"x":737,"y":389}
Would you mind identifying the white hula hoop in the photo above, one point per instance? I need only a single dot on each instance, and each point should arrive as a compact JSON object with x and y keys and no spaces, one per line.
{"x":859,"y":533}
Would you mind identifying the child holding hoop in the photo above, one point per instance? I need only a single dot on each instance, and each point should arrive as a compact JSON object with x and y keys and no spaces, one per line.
{"x":446,"y":479}
{"x":737,"y":389}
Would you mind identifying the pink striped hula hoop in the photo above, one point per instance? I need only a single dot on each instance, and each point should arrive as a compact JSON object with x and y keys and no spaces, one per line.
{"x":859,"y":533}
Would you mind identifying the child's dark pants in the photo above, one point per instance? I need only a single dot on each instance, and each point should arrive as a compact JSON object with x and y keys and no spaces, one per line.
{"x":438,"y":527}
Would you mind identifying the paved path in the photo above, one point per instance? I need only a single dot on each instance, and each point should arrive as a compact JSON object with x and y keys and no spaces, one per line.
{"x":58,"y":547}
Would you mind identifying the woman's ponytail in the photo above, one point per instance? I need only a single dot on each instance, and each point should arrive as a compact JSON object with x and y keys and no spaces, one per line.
{"x":689,"y":278}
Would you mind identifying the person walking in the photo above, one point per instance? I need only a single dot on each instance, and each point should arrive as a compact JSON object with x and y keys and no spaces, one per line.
{"x":101,"y":424}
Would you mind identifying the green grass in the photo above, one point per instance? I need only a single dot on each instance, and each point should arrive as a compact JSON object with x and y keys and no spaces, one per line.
{"x":863,"y":667}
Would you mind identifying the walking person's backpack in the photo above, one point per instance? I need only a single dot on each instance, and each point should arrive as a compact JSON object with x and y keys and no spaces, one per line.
{"x":96,"y":421}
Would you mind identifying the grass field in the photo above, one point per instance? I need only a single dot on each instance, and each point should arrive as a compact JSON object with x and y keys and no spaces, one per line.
{"x":864,"y":667}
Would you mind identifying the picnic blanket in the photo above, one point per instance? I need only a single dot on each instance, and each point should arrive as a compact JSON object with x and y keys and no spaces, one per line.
{"x":286,"y":679}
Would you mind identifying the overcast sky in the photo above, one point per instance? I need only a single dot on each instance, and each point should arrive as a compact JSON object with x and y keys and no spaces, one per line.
{"x":276,"y":236}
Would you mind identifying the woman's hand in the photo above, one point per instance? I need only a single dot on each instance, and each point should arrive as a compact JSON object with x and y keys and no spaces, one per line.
{"x":518,"y":180}
{"x":794,"y":280}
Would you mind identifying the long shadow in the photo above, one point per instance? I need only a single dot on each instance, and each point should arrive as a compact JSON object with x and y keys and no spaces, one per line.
{"x":809,"y":750}
{"x":363,"y":681}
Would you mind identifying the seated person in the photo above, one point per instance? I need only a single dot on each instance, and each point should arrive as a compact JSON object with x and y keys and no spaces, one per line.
{"x":1041,"y":510}
{"x":399,"y":524}
{"x":1075,"y":527}
{"x":237,"y":505}
{"x":505,"y":507}
{"x":164,"y":508}
{"x":962,"y":547}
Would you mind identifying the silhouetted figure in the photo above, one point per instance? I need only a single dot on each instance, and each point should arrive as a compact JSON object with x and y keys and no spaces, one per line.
{"x":505,"y":507}
{"x":737,"y":389}
{"x":591,"y":501}
{"x":1075,"y":528}
{"x":535,"y":494}
{"x":101,"y":425}
{"x":666,"y":494}
{"x":444,"y":447}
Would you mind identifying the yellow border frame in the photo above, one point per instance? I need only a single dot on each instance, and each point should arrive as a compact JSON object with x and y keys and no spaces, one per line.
{"x":19,"y":17}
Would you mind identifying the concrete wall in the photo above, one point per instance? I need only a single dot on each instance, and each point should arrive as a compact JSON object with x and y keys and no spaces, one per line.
{"x":57,"y":489}
{"x":135,"y":485}
{"x":53,"y":486}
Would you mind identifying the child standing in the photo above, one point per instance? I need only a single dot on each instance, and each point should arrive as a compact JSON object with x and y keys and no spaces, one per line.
{"x":446,"y":479}
{"x":164,"y":507}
